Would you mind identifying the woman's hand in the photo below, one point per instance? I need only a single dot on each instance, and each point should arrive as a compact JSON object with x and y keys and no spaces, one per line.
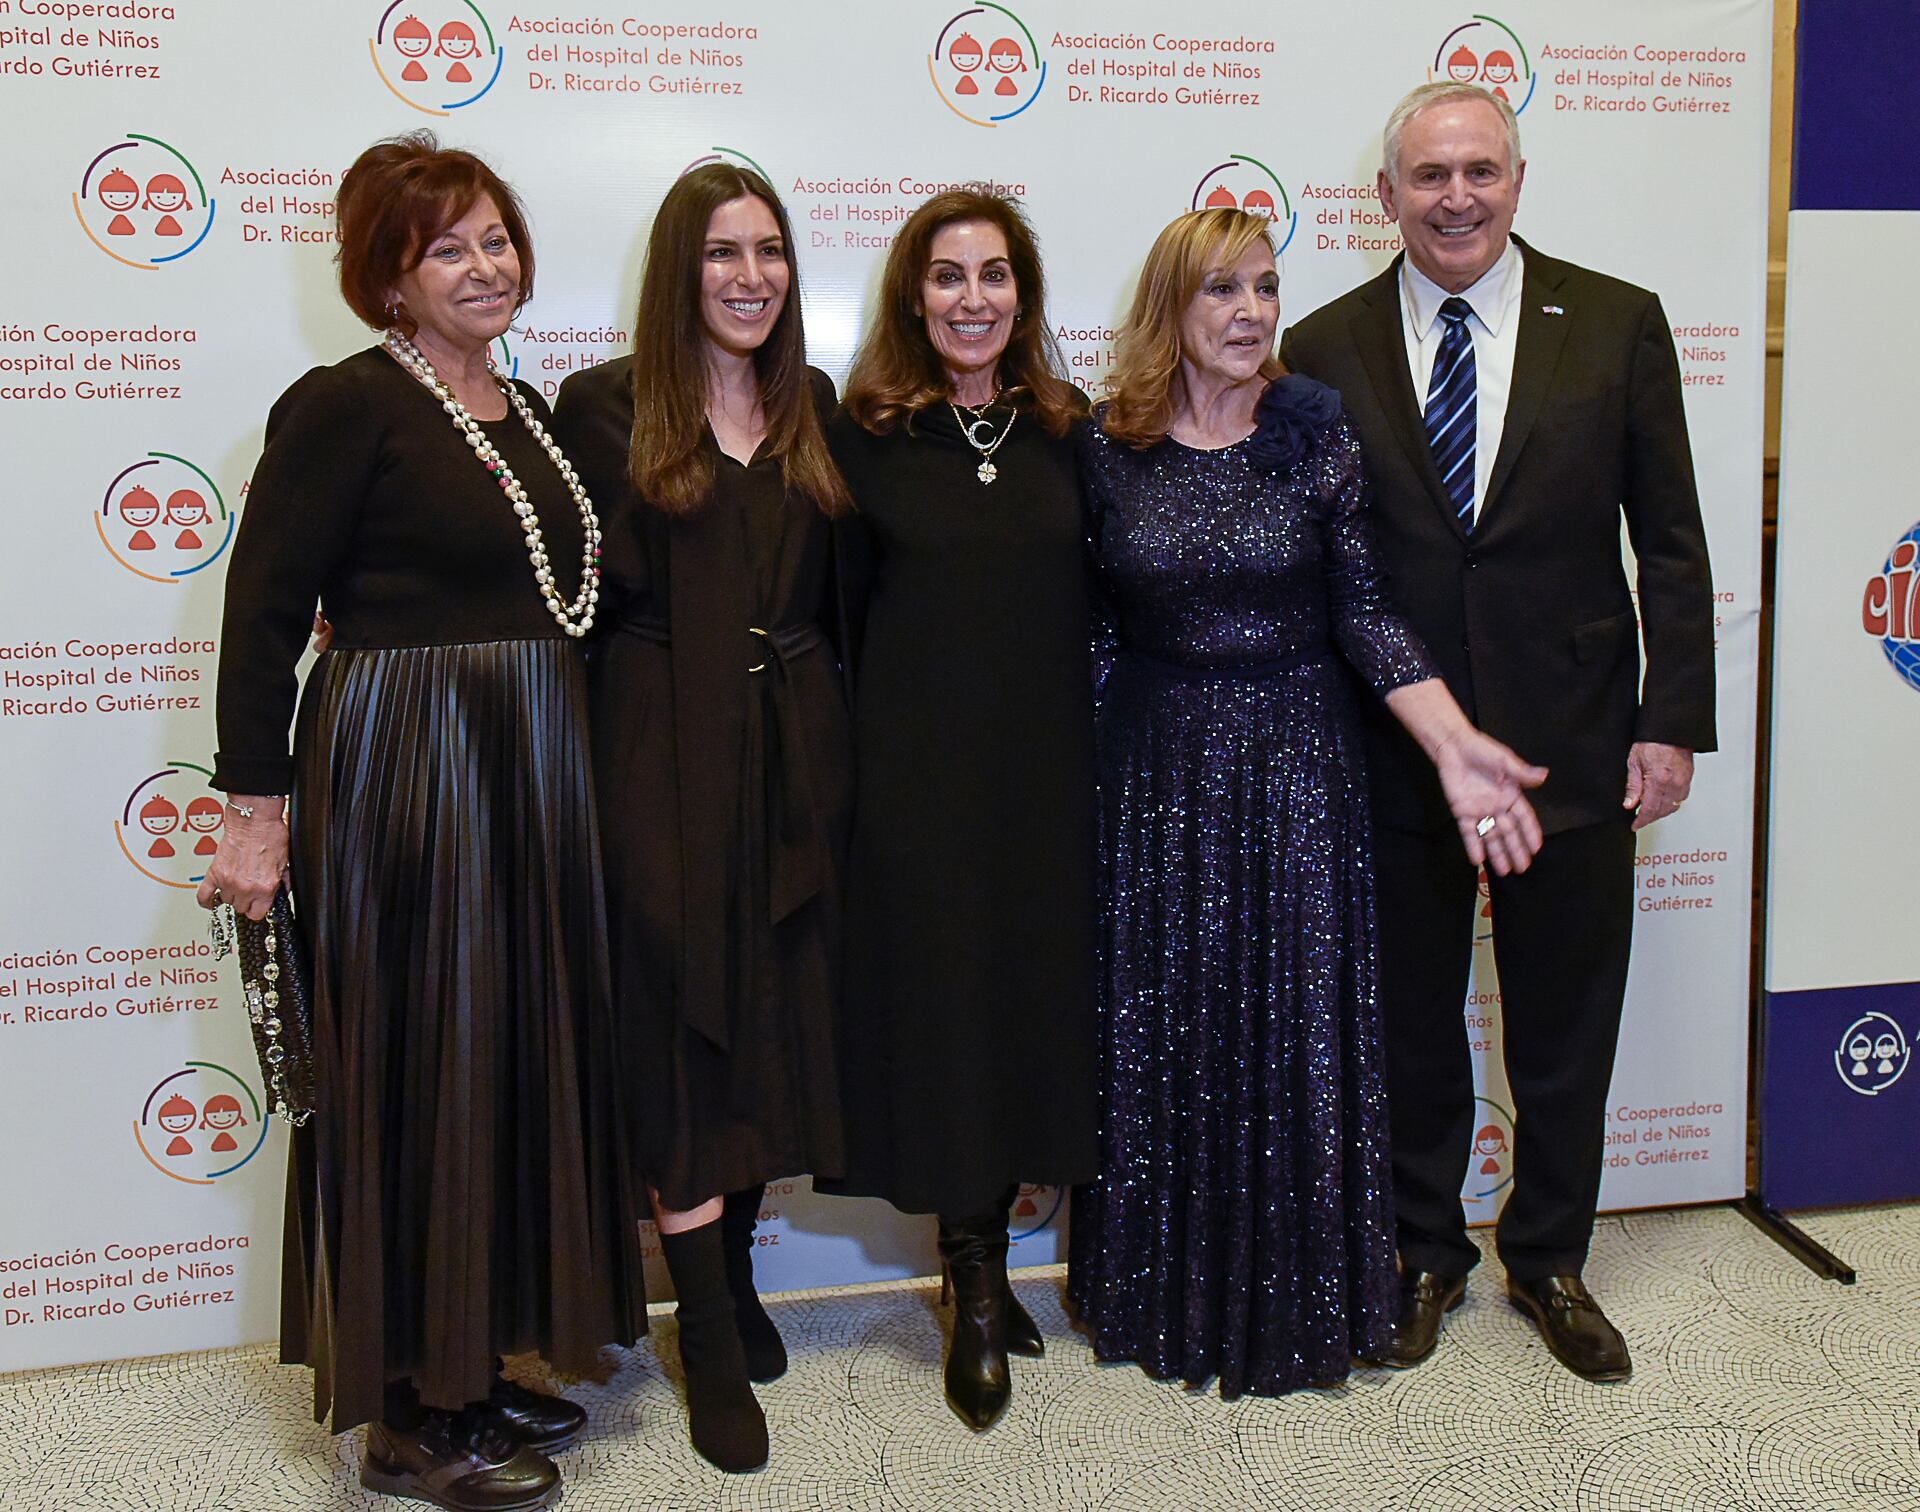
{"x":251,"y":860}
{"x":322,"y":632}
{"x":1484,"y":780}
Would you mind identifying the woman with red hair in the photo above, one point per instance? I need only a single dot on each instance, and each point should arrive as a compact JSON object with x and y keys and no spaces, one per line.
{"x":460,"y":1193}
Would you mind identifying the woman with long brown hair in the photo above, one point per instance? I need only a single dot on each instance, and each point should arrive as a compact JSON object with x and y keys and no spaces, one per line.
{"x":722,"y":758}
{"x":968,"y":1037}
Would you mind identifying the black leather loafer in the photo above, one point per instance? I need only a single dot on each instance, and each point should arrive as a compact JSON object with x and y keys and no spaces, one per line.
{"x":1425,"y":1298}
{"x":1573,"y":1326}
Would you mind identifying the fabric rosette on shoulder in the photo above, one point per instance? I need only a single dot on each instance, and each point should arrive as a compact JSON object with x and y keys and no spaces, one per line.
{"x":1289,"y":420}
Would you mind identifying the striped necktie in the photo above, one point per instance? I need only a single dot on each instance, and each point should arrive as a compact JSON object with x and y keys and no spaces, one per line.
{"x":1451,"y":409}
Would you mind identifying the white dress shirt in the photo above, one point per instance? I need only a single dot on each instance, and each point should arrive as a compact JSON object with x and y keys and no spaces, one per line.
{"x":1494,"y":328}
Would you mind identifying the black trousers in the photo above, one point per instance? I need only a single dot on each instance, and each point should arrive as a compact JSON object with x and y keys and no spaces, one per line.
{"x":1561,"y":935}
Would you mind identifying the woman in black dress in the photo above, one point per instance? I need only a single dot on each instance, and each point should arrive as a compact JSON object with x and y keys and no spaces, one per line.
{"x":461,"y":1191}
{"x":968,"y":1062}
{"x":723,"y":758}
{"x":1241,"y":1226}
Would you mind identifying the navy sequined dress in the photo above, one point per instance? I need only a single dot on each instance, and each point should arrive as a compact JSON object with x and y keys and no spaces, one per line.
{"x":1242,"y":1226}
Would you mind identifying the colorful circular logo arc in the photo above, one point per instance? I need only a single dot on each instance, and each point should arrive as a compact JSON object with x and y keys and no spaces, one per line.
{"x":1489,"y":53}
{"x":1890,"y":608}
{"x":1490,"y":1161}
{"x":170,"y":825}
{"x":1872,"y":1055}
{"x":196,"y":1122}
{"x":718,"y":154}
{"x":164,"y":519}
{"x":436,"y":69}
{"x":508,"y":364}
{"x":1246,"y":183}
{"x":1034,"y":1207}
{"x":986,"y":82}
{"x":143,"y":203}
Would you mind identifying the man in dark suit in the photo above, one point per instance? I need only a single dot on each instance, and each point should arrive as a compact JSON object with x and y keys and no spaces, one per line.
{"x":1511,"y":408}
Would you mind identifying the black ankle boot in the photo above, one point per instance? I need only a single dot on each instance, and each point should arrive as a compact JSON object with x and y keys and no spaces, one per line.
{"x":766,"y":1354}
{"x":1023,"y":1334}
{"x":974,"y":1255}
{"x":724,"y":1419}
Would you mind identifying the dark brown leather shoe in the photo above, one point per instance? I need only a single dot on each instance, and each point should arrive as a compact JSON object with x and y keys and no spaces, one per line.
{"x":463,"y":1461}
{"x":1425,"y":1298}
{"x":1575,"y":1329}
{"x":546,"y":1423}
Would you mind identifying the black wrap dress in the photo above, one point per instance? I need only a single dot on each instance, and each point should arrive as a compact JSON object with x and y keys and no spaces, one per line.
{"x":969,"y":1035}
{"x":462,"y":1190}
{"x":724,"y":764}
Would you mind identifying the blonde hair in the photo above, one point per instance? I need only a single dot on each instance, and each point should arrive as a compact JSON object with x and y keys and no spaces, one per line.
{"x":1146,"y":357}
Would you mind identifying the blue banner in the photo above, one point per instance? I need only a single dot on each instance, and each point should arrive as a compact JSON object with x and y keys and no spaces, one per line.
{"x":1839,"y":1098}
{"x":1856,"y":110}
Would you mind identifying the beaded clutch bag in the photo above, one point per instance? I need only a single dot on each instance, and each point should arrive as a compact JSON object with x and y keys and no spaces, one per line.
{"x":279,"y":995}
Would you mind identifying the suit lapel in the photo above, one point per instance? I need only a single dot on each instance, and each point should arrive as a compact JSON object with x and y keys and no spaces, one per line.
{"x":1379,"y":335}
{"x":1536,"y":351}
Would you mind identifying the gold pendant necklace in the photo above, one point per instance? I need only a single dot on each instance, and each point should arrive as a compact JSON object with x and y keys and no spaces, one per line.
{"x":986,"y":472}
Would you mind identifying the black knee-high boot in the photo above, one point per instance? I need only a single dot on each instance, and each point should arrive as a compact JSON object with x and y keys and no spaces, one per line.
{"x":766,"y":1354}
{"x":723,"y":1417}
{"x":974,"y":1254}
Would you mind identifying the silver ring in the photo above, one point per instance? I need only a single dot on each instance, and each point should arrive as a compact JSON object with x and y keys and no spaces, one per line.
{"x":1486,"y":826}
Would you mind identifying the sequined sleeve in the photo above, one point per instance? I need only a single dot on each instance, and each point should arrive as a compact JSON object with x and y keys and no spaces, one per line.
{"x":1370,"y":632}
{"x":1105,"y":620}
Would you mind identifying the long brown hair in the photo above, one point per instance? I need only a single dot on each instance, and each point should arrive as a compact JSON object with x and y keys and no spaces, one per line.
{"x":668,"y":460}
{"x":896,"y":373}
{"x":1146,"y":353}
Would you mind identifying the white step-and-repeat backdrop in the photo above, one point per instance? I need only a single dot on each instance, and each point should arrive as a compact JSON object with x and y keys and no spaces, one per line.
{"x":168,"y":178}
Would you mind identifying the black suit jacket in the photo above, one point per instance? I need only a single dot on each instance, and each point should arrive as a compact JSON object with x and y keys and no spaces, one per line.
{"x":1530,"y":617}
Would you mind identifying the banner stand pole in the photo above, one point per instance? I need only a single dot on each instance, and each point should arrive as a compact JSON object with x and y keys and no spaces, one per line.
{"x":1795,"y":1240}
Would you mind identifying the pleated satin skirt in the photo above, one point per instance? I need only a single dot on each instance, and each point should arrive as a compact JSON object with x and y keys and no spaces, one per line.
{"x":463,"y":1189}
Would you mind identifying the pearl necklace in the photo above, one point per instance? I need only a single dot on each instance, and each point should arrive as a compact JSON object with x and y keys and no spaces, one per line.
{"x":575,"y":618}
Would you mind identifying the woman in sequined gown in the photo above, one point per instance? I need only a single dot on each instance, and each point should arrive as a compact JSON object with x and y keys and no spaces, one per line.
{"x":1242,"y":1226}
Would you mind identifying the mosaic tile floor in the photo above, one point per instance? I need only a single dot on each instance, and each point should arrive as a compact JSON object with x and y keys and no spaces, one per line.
{"x":1756,"y":1387}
